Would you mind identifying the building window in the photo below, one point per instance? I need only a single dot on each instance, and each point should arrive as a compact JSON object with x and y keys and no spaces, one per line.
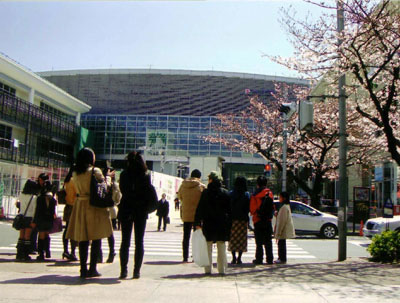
{"x":6,"y":89}
{"x":56,"y":111}
{"x":5,"y":136}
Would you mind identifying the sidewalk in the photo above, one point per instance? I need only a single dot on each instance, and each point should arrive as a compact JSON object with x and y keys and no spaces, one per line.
{"x":171,"y":281}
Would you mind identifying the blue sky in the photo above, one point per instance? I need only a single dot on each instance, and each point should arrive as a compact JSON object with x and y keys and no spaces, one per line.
{"x":196,"y":35}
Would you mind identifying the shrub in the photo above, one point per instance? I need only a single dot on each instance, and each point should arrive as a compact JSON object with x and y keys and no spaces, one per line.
{"x":385,"y":247}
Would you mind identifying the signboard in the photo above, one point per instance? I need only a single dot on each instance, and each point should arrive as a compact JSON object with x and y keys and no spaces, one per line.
{"x":361,"y":204}
{"x":156,"y":141}
{"x":388,"y":209}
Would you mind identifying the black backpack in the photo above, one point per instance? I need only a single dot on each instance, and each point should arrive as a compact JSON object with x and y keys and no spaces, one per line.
{"x":266,"y":210}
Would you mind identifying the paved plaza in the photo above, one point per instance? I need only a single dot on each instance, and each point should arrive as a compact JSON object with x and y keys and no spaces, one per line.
{"x":165,"y":279}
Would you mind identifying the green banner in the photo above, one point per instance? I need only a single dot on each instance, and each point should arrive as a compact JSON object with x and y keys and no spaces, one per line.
{"x":85,"y":139}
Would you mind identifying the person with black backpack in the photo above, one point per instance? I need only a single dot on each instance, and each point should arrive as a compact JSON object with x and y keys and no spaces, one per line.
{"x":262,"y":210}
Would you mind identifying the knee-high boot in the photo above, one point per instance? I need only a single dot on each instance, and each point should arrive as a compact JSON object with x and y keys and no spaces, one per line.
{"x":47,"y":247}
{"x":83,"y":256}
{"x":20,"y":250}
{"x":40,"y":250}
{"x":94,"y":254}
{"x":26,"y":249}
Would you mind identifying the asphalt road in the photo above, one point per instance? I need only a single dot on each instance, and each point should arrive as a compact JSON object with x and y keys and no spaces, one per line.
{"x":166,"y":246}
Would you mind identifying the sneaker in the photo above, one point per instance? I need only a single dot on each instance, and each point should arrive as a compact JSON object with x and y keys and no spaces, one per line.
{"x":279,"y":262}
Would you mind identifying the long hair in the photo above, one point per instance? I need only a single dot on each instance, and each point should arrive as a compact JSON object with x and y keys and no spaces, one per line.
{"x":84,"y":159}
{"x":69,"y":175}
{"x":31,"y":187}
{"x":240,"y":185}
{"x":135,"y":163}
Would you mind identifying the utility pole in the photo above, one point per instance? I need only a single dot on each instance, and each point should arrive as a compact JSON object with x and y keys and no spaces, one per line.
{"x":284,"y":153}
{"x":343,"y":182}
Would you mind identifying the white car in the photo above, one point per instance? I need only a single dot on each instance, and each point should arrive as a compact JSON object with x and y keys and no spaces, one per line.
{"x":376,"y":226}
{"x":308,"y":220}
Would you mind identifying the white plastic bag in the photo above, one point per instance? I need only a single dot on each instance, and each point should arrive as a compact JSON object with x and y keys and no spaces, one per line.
{"x":199,"y":249}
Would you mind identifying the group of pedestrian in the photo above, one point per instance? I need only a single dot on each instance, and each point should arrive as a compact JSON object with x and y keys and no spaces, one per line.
{"x":38,"y":205}
{"x":224,"y":216}
{"x":221,"y":215}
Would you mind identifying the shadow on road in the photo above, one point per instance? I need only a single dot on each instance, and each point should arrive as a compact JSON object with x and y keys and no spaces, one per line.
{"x":364,"y":278}
{"x":61,"y":280}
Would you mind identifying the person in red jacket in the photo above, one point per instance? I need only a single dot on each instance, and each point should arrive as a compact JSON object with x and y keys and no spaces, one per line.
{"x":262,"y":224}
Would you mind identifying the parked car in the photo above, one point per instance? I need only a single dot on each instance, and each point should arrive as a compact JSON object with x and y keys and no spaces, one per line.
{"x":308,"y":220}
{"x":376,"y":226}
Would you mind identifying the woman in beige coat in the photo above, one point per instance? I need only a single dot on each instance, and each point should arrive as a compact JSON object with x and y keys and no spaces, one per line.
{"x":284,"y":228}
{"x":88,"y":223}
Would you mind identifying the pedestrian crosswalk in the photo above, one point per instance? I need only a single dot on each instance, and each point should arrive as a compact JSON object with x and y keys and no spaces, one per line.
{"x":168,"y":245}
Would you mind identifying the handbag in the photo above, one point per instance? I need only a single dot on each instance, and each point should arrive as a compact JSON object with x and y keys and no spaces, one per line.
{"x":168,"y":220}
{"x":199,"y":249}
{"x":61,"y":196}
{"x":57,"y":225}
{"x":100,"y":194}
{"x":18,"y":222}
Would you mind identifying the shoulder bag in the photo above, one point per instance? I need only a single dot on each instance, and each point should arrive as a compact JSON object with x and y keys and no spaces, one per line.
{"x":100,"y":194}
{"x":151,"y":199}
{"x":19,"y":219}
{"x":61,"y":196}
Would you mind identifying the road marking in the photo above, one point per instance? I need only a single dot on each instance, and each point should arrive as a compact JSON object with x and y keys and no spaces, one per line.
{"x":170,"y":244}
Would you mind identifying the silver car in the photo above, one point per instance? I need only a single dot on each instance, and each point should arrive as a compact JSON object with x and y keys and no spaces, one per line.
{"x":376,"y":226}
{"x":308,"y":220}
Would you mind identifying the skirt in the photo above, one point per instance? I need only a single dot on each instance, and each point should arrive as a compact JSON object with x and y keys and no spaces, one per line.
{"x":238,"y":241}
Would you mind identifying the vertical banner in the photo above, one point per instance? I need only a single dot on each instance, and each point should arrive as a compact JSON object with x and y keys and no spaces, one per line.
{"x":166,"y":184}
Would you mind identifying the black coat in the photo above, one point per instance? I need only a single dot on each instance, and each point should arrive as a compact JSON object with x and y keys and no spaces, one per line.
{"x":133,"y":189}
{"x":44,"y":213}
{"x":214,"y":213}
{"x":240,"y":204}
{"x":162,"y":208}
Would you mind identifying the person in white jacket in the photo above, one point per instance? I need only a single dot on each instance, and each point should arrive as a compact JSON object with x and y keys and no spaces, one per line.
{"x":27,"y":201}
{"x":284,"y":228}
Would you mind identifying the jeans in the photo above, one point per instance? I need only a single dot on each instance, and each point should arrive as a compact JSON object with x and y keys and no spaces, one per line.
{"x":187,"y":229}
{"x":126,"y":230}
{"x":263,"y":236}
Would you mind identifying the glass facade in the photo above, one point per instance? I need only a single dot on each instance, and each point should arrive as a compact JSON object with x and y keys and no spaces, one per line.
{"x":172,"y":135}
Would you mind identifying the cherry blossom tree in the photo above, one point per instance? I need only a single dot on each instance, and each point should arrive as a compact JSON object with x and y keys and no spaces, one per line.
{"x":369,"y":56}
{"x":311,"y":155}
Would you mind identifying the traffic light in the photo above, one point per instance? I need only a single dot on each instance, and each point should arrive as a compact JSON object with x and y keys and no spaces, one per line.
{"x":288,"y":108}
{"x":268,"y":170}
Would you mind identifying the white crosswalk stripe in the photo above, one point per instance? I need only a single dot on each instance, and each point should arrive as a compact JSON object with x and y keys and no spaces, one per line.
{"x":170,"y":245}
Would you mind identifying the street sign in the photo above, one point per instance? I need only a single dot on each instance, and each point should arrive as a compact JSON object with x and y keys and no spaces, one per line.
{"x":388,"y":209}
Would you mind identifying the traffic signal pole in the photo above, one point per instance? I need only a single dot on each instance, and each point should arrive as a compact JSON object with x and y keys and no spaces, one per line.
{"x":284,"y":152}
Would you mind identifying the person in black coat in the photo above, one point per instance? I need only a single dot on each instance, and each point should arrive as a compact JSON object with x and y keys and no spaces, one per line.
{"x":162,"y":212}
{"x":240,"y":204}
{"x":133,"y":211}
{"x":214,"y":216}
{"x":43,"y":220}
